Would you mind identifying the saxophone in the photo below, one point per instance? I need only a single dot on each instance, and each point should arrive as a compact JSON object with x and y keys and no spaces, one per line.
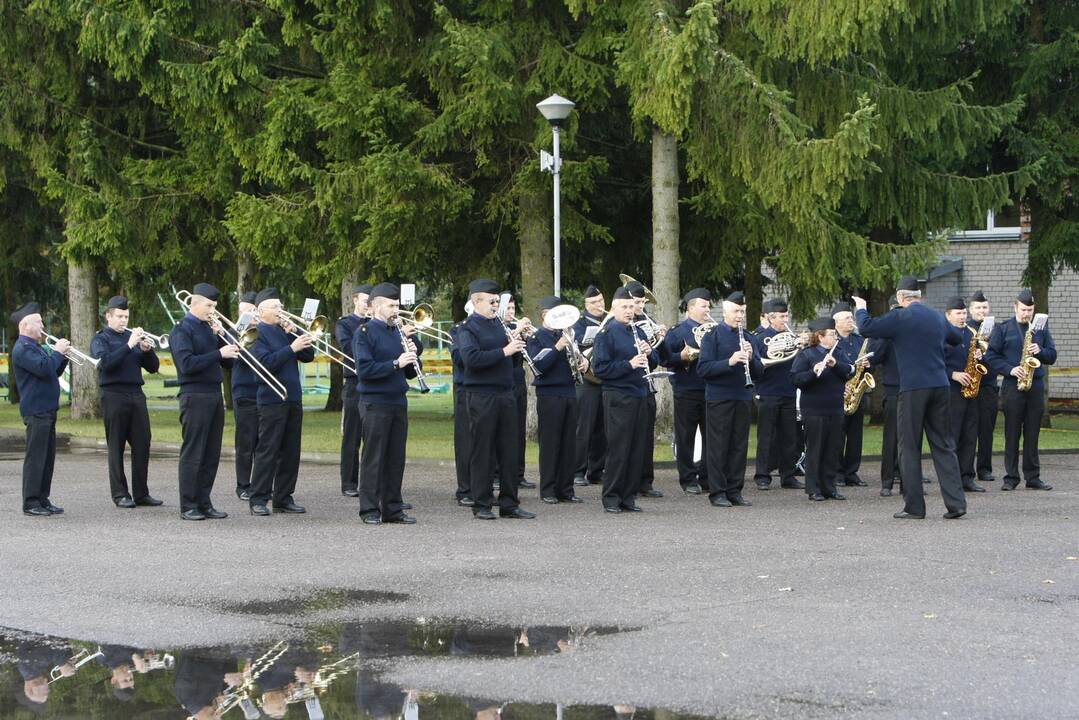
{"x":1027,"y":361}
{"x":978,"y":345}
{"x":859,"y":384}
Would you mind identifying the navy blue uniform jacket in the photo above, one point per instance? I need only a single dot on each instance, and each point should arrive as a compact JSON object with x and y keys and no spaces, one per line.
{"x":485,"y":368}
{"x":724,"y":381}
{"x":556,"y":378}
{"x":375,"y":348}
{"x":1006,"y":347}
{"x":196,"y":353}
{"x":776,"y":380}
{"x":120,"y":367}
{"x":685,"y":378}
{"x":345,"y":332}
{"x":36,"y":373}
{"x":821,"y":396}
{"x":615,"y":346}
{"x":918,"y":336}
{"x":273,"y":349}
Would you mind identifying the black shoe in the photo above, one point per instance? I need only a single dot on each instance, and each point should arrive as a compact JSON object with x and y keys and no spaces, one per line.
{"x":763,"y":486}
{"x":149,"y":501}
{"x":886,"y":492}
{"x":124,"y":502}
{"x":973,"y":487}
{"x":904,"y":515}
{"x":721,"y":502}
{"x":213,"y":513}
{"x":817,"y":497}
{"x":796,"y":485}
{"x":466,"y":502}
{"x":740,"y":501}
{"x":36,"y":511}
{"x":192,"y":515}
{"x":837,"y":496}
{"x":856,"y":482}
{"x":650,"y":493}
{"x":290,"y":507}
{"x":571,"y":499}
{"x":954,"y":514}
{"x":988,"y":477}
{"x":260,"y":510}
{"x":550,"y":500}
{"x":526,"y":484}
{"x":350,"y":493}
{"x":406,"y":506}
{"x":483,"y":515}
{"x":1009,"y":486}
{"x":371,"y":519}
{"x":1038,"y":485}
{"x":579,"y":481}
{"x":54,"y":510}
{"x":401,"y":519}
{"x":517,"y":514}
{"x":633,"y":508}
{"x":243,"y":493}
{"x":612,"y":510}
{"x":692,"y":489}
{"x":595,"y":480}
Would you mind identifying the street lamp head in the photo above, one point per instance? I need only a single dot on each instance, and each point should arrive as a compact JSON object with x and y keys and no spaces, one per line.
{"x":555,"y":109}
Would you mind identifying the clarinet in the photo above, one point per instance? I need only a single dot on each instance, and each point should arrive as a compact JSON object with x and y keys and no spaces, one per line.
{"x":640,"y":348}
{"x":742,"y":342}
{"x":515,"y":335}
{"x":421,"y":380}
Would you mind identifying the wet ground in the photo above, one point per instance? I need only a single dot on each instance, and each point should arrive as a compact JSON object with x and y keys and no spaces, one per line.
{"x":784,"y":609}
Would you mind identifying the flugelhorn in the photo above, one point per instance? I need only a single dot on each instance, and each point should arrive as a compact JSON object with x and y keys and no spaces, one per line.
{"x":74,"y":355}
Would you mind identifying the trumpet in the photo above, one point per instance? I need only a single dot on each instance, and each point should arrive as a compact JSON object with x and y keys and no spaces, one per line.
{"x":161,"y":341}
{"x":77,"y":661}
{"x":74,"y":355}
{"x":316,"y":329}
{"x":423,"y":319}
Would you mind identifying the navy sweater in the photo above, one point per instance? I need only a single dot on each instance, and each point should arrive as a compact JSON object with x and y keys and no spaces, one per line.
{"x":376,"y":346}
{"x":918,"y":336}
{"x":884,"y":358}
{"x":821,"y":396}
{"x":36,"y":373}
{"x":345,"y":332}
{"x":245,"y":383}
{"x":685,"y":378}
{"x":556,"y":379}
{"x":615,"y":346}
{"x":455,"y":357}
{"x":776,"y":380}
{"x":724,"y":381}
{"x":580,"y":328}
{"x":274,"y":350}
{"x":196,"y":353}
{"x":120,"y":367}
{"x":1006,"y":347}
{"x":485,"y":368}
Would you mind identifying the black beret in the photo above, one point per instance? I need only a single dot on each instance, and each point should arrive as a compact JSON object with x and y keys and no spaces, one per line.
{"x":117,"y":302}
{"x":775,"y":305}
{"x":207,"y":291}
{"x":978,"y":296}
{"x":364,"y":289}
{"x":483,"y":285}
{"x":737,"y":297}
{"x":955,"y":303}
{"x":1025,"y":296}
{"x":591,"y":291}
{"x":265,"y":294}
{"x":123,"y":694}
{"x":386,"y":290}
{"x":907,"y":282}
{"x":30,"y":308}
{"x":822,"y":323}
{"x":550,"y":301}
{"x":622,"y":293}
{"x":841,"y":306}
{"x":636,"y":288}
{"x":249,"y":297}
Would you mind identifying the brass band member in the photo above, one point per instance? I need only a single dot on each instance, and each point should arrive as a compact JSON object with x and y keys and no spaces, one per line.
{"x":621,"y":358}
{"x":964,"y":412}
{"x":777,"y":431}
{"x":277,"y":459}
{"x":461,"y":446}
{"x":848,"y":348}
{"x":351,"y":424}
{"x":245,"y":411}
{"x":123,"y":354}
{"x":37,"y":374}
{"x":648,"y":471}
{"x":382,"y":366}
{"x":199,"y":352}
{"x":520,"y":395}
{"x":726,"y":353}
{"x":1023,"y":410}
{"x":988,"y":393}
{"x":688,"y":386}
{"x":591,"y":440}
{"x":487,"y":351}
{"x":889,"y":451}
{"x":918,"y":336}
{"x":822,"y":375}
{"x":556,"y":408}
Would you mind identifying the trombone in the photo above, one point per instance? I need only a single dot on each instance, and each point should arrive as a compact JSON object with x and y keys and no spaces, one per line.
{"x":74,"y":355}
{"x":243,"y":340}
{"x":423,"y":319}
{"x":316,"y":329}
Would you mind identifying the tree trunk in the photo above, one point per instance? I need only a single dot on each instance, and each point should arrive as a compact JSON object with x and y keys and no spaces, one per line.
{"x":537,"y":270}
{"x":754,"y":287}
{"x":245,"y":273}
{"x":665,"y":258}
{"x":83,"y":303}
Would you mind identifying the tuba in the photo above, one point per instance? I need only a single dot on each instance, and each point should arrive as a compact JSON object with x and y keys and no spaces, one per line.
{"x":978,"y":345}
{"x":1027,"y":361}
{"x":859,"y":384}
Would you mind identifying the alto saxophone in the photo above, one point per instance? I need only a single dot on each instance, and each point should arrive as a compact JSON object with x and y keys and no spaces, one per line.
{"x":1027,"y":361}
{"x":975,"y":369}
{"x":859,"y":384}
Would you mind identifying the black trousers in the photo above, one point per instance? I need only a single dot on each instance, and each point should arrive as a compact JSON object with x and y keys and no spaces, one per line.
{"x":277,"y":459}
{"x":727,"y":445}
{"x":202,"y":421}
{"x":853,"y":427}
{"x":689,"y":414}
{"x":520,"y":396}
{"x":824,"y":445}
{"x":557,"y":437}
{"x":1022,"y":417}
{"x":38,"y":463}
{"x":626,"y":426}
{"x":889,"y":451}
{"x":245,"y":412}
{"x":461,"y":447}
{"x":591,"y":433}
{"x":492,"y":425}
{"x":648,"y":470}
{"x":127,"y":422}
{"x":928,"y":410}
{"x":351,"y":434}
{"x":777,"y":439}
{"x":965,"y":433}
{"x":382,"y":464}
{"x":988,"y":407}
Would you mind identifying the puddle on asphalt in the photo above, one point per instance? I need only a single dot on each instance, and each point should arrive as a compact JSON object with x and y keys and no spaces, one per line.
{"x":329,"y":599}
{"x":336,"y":672}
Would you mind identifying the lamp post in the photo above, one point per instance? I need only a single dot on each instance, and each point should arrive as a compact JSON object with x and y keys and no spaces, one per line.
{"x":555,"y":109}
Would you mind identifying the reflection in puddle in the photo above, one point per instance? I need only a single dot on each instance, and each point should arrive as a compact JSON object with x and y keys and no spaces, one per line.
{"x":336,"y":673}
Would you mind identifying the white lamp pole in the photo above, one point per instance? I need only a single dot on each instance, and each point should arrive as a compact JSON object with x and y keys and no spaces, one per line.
{"x":555,"y":109}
